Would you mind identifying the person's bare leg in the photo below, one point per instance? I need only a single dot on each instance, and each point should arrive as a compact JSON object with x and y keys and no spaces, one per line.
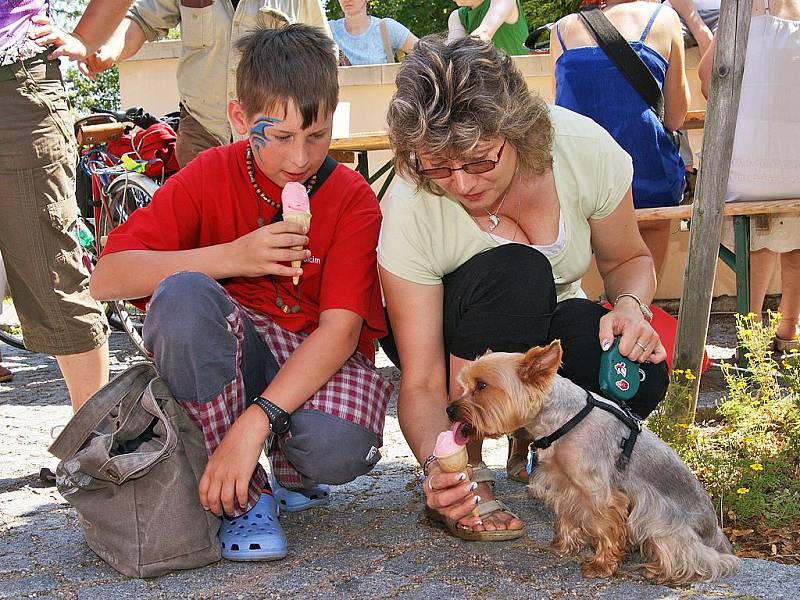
{"x":496,"y":520}
{"x":762,"y":267}
{"x":84,"y":373}
{"x":790,"y":295}
{"x":5,"y":374}
{"x":656,"y":235}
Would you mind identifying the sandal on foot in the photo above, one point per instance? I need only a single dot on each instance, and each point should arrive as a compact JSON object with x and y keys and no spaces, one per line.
{"x":515,"y":467}
{"x":482,"y":474}
{"x":782,"y":345}
{"x":256,"y":535}
{"x":297,"y":500}
{"x":5,"y":374}
{"x":484,"y":509}
{"x":517,"y":463}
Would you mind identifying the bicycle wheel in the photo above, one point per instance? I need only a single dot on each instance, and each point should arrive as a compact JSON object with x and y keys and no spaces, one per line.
{"x":125,"y":194}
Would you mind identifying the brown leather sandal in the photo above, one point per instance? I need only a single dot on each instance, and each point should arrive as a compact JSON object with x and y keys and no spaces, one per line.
{"x":467,"y":534}
{"x":517,"y":462}
{"x":781,"y":345}
{"x":480,"y":474}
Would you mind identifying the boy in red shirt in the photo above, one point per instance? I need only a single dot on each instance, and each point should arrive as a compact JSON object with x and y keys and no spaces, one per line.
{"x":247,"y":353}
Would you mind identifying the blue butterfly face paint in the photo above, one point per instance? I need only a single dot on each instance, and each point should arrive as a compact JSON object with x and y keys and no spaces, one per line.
{"x":258,"y":134}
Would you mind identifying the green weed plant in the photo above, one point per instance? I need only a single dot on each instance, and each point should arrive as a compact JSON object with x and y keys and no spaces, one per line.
{"x":748,"y":459}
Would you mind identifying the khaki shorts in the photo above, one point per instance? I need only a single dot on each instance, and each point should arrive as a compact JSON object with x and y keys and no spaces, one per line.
{"x":49,"y":282}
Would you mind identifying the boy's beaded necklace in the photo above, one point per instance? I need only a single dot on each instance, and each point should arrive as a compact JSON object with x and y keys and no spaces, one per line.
{"x":309,"y":184}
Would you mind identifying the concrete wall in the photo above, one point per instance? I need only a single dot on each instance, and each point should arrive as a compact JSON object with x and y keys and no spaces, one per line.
{"x":148,"y":79}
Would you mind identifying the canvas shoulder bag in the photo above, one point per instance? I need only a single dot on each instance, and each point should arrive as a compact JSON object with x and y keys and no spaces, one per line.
{"x":130,"y":463}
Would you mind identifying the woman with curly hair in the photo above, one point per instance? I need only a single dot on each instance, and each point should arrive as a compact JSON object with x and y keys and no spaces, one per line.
{"x":501,"y":202}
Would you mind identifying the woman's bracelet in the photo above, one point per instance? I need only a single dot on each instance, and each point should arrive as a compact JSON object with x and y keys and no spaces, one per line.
{"x":427,"y":464}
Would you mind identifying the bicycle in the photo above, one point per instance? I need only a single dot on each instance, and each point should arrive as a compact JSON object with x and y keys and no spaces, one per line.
{"x":118,"y":187}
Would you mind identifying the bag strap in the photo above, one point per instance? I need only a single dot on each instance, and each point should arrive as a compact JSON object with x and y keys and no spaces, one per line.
{"x":629,"y":63}
{"x":387,"y":47}
{"x":328,"y":166}
{"x":131,"y":381}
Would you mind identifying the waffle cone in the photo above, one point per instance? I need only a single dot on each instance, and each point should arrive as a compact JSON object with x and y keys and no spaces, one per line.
{"x":453,"y":463}
{"x":303,"y":219}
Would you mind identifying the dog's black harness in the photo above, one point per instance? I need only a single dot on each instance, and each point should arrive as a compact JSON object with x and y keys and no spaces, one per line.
{"x":621,"y":411}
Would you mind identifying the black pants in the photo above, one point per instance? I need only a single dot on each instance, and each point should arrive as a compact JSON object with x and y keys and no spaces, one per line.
{"x":504,"y":299}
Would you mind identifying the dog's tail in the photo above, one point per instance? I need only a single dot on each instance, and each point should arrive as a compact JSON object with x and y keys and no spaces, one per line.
{"x":680,"y":556}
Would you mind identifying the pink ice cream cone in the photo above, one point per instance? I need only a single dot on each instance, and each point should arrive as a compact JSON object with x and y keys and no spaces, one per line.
{"x":296,"y":209}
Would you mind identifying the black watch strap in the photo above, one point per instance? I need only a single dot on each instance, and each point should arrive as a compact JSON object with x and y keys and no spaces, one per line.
{"x":280,"y":421}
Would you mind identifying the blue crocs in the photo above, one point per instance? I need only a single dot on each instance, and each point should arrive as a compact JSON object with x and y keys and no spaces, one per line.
{"x":256,"y":535}
{"x":295,"y":501}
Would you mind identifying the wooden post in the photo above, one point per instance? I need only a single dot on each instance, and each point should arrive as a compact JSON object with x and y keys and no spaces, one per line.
{"x":720,"y":127}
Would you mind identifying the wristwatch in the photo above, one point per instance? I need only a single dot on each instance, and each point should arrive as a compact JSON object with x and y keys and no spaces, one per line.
{"x":646,"y":312}
{"x":279,"y":420}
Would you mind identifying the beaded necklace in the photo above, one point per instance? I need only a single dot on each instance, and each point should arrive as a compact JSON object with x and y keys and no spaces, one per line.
{"x":309,"y":184}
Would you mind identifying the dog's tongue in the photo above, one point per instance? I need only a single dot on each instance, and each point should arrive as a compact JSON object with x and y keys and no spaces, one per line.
{"x":458,"y":433}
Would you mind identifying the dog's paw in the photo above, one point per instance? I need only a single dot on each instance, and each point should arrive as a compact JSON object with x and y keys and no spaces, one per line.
{"x":598,"y":568}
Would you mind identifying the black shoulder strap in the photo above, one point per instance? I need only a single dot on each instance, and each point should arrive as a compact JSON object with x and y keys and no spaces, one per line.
{"x":328,"y":167}
{"x":619,"y":51}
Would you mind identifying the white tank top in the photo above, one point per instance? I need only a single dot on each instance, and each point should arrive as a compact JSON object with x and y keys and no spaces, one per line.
{"x":766,"y":152}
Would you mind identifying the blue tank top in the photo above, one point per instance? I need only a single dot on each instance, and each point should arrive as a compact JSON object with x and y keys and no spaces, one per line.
{"x":587,"y":82}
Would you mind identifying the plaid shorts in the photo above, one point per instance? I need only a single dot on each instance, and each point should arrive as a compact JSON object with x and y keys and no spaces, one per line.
{"x":357,"y":393}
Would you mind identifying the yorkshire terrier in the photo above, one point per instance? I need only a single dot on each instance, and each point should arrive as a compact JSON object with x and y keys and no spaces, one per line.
{"x":652,"y":504}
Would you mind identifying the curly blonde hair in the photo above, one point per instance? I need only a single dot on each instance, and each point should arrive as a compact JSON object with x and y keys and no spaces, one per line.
{"x":451,"y":96}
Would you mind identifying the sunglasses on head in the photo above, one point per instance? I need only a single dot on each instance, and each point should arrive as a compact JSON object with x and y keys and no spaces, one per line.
{"x":473,"y":168}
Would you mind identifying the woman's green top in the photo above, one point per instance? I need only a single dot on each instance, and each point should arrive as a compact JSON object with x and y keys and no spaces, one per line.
{"x":509,"y":37}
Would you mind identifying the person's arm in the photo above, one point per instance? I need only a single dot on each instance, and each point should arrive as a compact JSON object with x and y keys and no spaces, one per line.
{"x":704,"y":69}
{"x":500,"y":11}
{"x":676,"y":86}
{"x":409,"y":43}
{"x":229,"y":469}
{"x":126,"y":41}
{"x":699,"y":30}
{"x":96,"y":25}
{"x":415,"y":311}
{"x":455,"y":30}
{"x":626,"y":267}
{"x":258,"y":253}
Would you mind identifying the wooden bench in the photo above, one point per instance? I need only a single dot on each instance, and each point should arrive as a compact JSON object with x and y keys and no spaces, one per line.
{"x":739,"y":259}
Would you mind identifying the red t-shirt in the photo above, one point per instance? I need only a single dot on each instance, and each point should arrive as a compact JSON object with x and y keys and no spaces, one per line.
{"x":211,"y":201}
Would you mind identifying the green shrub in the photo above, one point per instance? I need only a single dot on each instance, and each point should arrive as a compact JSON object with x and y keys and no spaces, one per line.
{"x":542,"y":12}
{"x":749,"y":460}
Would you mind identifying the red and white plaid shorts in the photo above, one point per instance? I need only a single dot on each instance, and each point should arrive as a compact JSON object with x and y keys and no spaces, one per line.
{"x":356,"y":393}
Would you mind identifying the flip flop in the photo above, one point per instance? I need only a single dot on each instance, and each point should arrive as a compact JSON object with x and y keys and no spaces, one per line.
{"x":296,"y":501}
{"x":256,"y":535}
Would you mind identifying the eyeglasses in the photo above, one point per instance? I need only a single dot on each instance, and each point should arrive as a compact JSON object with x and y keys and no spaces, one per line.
{"x":473,"y":168}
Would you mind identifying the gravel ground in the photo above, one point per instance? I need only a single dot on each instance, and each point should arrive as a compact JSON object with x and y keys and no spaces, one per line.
{"x":370,"y":542}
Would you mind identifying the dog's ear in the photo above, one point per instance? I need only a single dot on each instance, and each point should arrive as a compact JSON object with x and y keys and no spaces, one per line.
{"x":540,"y":362}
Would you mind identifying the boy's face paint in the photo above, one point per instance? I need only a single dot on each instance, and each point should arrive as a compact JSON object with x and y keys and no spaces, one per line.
{"x":258,"y":134}
{"x":283,"y":150}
